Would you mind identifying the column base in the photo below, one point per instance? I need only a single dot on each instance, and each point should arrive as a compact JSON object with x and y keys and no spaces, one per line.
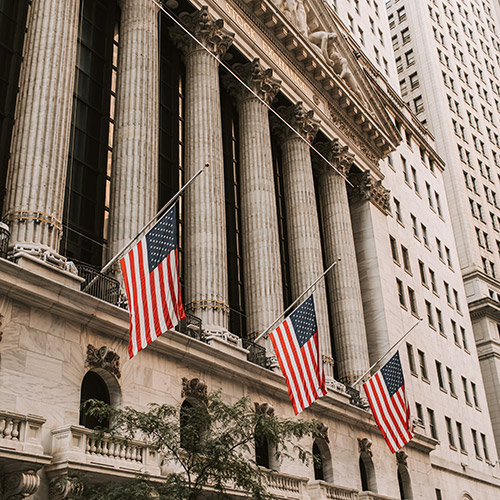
{"x":48,"y":264}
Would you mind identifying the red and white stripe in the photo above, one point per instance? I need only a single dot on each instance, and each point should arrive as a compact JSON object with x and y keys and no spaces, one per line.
{"x":154,"y":299}
{"x":392,"y":414}
{"x":301,"y":366}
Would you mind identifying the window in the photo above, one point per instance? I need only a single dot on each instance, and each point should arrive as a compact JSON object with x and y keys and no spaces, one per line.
{"x":414,"y":226}
{"x":439,"y":316}
{"x":93,"y":387}
{"x":466,"y":391}
{"x":457,"y":302}
{"x":420,"y":414}
{"x":411,"y":359}
{"x":415,"y":181}
{"x":439,"y":248}
{"x":394,"y":249}
{"x":476,"y":444}
{"x":451,"y":384}
{"x":432,"y":423}
{"x":410,"y":58}
{"x":406,"y":259}
{"x":361,"y":36}
{"x":447,"y":292}
{"x":460,"y":435}
{"x":439,"y":372}
{"x":432,"y":277}
{"x":401,"y":14}
{"x":405,"y":170}
{"x":448,"y":257}
{"x":401,"y":293}
{"x":485,"y":447}
{"x":474,"y":394}
{"x":397,"y":209}
{"x":424,"y":235}
{"x":421,"y":268}
{"x":423,"y":366}
{"x":455,"y":333}
{"x":430,"y":317}
{"x":449,"y":430}
{"x":412,"y":299}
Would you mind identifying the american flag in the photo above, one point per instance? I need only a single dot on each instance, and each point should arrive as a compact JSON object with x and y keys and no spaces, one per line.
{"x":296,"y":345}
{"x":387,"y":398}
{"x":150,"y":272}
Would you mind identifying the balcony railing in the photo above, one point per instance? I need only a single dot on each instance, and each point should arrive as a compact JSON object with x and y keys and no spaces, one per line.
{"x":321,"y":490}
{"x":256,"y":353}
{"x":4,"y":239}
{"x":286,"y":486}
{"x":191,"y":326}
{"x":21,"y":432}
{"x":100,"y":285}
{"x":77,"y":444}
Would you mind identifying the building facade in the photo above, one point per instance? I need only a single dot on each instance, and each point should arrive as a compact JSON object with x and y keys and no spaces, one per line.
{"x":109,"y":107}
{"x":453,"y":85}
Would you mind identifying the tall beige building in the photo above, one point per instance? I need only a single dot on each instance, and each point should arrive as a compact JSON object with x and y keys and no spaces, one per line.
{"x":107,"y":108}
{"x":448,"y":59}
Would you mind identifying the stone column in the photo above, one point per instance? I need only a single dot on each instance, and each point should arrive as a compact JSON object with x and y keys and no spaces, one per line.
{"x":40,"y":138}
{"x":302,"y":217}
{"x":261,"y":254}
{"x":205,"y":246}
{"x":345,"y":294}
{"x":134,"y":184}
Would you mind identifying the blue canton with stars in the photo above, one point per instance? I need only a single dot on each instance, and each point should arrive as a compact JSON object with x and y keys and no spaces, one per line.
{"x":393,"y":374}
{"x":304,"y":321}
{"x":162,"y":239}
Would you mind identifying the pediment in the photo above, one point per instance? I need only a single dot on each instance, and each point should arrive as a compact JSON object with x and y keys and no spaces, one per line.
{"x":314,"y":37}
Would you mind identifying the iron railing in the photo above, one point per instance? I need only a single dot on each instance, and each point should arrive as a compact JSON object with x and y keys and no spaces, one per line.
{"x":256,"y":353}
{"x":100,"y":285}
{"x":192,"y":327}
{"x":356,"y":398}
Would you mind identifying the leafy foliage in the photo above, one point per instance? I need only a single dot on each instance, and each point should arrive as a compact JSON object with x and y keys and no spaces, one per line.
{"x":210,"y":443}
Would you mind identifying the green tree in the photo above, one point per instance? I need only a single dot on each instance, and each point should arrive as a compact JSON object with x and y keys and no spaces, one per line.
{"x":210,"y":441}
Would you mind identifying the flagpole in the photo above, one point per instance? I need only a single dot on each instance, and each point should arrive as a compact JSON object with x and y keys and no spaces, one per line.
{"x":139,"y":235}
{"x":387,"y":352}
{"x":295,"y":301}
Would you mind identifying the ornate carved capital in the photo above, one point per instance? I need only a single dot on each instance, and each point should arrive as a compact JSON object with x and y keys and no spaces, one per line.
{"x":19,"y":485}
{"x":64,"y":487}
{"x":366,"y":187}
{"x":323,"y":430}
{"x":402,"y":458}
{"x":365,"y":446}
{"x":209,"y":31}
{"x":260,"y":80}
{"x":105,"y":358}
{"x":194,"y":388}
{"x":301,"y":120}
{"x":264,"y":409}
{"x":338,"y":155}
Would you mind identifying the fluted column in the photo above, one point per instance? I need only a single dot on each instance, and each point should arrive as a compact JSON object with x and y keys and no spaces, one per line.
{"x":304,"y":243}
{"x":40,"y":138}
{"x":344,"y":288}
{"x":206,"y":281}
{"x":261,"y":255}
{"x":135,"y":150}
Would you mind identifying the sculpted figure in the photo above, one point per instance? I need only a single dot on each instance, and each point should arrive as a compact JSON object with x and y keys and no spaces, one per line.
{"x":301,"y":18}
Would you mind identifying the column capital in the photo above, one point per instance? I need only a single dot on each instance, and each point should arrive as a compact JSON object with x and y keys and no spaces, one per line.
{"x":260,"y":80}
{"x":336,"y":154}
{"x":367,"y":188}
{"x":301,"y":120}
{"x":209,"y":31}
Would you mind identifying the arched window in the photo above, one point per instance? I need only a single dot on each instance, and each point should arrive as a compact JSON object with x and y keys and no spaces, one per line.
{"x":404,"y":483}
{"x":193,"y":423}
{"x":367,"y":473}
{"x":323,"y":470}
{"x":261,"y":450}
{"x":93,"y":387}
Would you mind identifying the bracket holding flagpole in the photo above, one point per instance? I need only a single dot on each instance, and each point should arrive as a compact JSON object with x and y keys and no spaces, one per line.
{"x":148,"y":224}
{"x":292,"y":305}
{"x":386,"y":353}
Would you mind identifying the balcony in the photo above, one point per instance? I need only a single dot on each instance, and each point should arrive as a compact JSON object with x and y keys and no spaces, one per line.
{"x":286,"y":486}
{"x":78,"y":446}
{"x":100,"y":285}
{"x":20,"y":434}
{"x":320,"y":490}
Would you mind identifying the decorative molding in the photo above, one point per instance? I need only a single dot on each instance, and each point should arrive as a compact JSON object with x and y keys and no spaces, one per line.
{"x":365,"y":446}
{"x":402,"y":458}
{"x":367,"y":188}
{"x":19,"y":485}
{"x":1,"y":324}
{"x":66,"y":487}
{"x":323,"y":430}
{"x":105,"y":358}
{"x":194,"y":388}
{"x":338,"y":155}
{"x":260,"y":80}
{"x":207,"y":30}
{"x":299,"y":119}
{"x":327,"y":359}
{"x":264,"y":409}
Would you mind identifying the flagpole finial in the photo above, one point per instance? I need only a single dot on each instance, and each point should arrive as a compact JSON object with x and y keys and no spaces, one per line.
{"x":207,"y":164}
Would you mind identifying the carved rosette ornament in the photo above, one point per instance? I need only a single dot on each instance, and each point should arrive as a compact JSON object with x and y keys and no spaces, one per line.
{"x":260,"y":80}
{"x":365,"y":446}
{"x":338,"y":155}
{"x":402,"y":458}
{"x":65,"y":487}
{"x":264,"y":409}
{"x":19,"y":485}
{"x":194,"y":388}
{"x":301,"y":120}
{"x":105,"y":358}
{"x":209,"y":31}
{"x":367,"y":188}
